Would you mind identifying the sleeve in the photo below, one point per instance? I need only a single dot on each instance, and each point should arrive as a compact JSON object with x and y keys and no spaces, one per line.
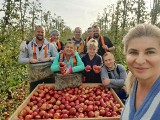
{"x":80,"y":65}
{"x":55,"y":64}
{"x":24,"y":57}
{"x":84,"y":72}
{"x":104,"y":73}
{"x":120,"y":82}
{"x":101,"y":61}
{"x":108,"y":42}
{"x":53,"y":52}
{"x":23,"y":46}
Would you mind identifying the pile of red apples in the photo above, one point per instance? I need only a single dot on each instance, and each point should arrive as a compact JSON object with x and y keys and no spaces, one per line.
{"x":81,"y":102}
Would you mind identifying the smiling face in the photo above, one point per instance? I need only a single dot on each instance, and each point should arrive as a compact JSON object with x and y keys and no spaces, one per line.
{"x":39,"y":33}
{"x":96,"y":32}
{"x":90,"y":34}
{"x":69,"y":48}
{"x":77,"y":33}
{"x":109,"y":60}
{"x":143,"y":58}
{"x":92,"y":50}
{"x":55,"y":37}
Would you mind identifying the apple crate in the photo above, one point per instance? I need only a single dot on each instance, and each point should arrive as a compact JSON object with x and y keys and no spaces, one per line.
{"x":14,"y":116}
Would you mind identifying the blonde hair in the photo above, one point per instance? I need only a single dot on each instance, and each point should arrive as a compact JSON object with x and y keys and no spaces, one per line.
{"x":140,"y":30}
{"x":92,"y":42}
{"x":129,"y":82}
{"x":108,"y":54}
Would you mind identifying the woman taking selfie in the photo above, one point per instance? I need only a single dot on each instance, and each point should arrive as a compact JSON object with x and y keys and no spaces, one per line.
{"x":142,"y":50}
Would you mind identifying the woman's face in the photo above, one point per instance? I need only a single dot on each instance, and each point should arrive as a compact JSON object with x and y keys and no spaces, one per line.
{"x":143,"y":58}
{"x":109,"y":61}
{"x":69,"y":49}
{"x":55,"y":37}
{"x":92,"y":50}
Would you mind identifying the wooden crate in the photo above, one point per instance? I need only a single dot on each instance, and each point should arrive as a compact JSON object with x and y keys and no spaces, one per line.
{"x":14,"y":116}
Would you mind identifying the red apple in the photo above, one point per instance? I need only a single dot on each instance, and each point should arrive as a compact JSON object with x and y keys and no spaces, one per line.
{"x":88,"y":68}
{"x":102,"y":112}
{"x":98,"y":68}
{"x":57,"y":116}
{"x":28,"y":117}
{"x":108,"y":114}
{"x":23,"y":113}
{"x":65,"y":111}
{"x":72,"y":111}
{"x":58,"y":102}
{"x":81,"y":115}
{"x":62,"y":64}
{"x":80,"y":109}
{"x":96,"y":114}
{"x":90,"y":108}
{"x":90,"y":114}
{"x":49,"y":106}
{"x":51,"y":111}
{"x":62,"y":106}
{"x":42,"y":113}
{"x":44,"y":106}
{"x":64,"y":115}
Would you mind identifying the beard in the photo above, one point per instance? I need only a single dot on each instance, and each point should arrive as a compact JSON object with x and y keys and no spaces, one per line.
{"x":40,"y":38}
{"x":96,"y":35}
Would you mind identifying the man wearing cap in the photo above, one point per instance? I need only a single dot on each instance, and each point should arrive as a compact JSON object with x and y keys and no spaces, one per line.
{"x":54,"y":39}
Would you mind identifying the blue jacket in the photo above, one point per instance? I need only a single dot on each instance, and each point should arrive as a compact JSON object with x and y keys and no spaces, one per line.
{"x":79,"y":67}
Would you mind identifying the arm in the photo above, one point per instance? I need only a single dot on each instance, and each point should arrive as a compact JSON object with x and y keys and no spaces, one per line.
{"x":111,"y":48}
{"x":114,"y":83}
{"x":24,"y":57}
{"x":109,"y":44}
{"x":55,"y":64}
{"x":123,"y":74}
{"x":80,"y":65}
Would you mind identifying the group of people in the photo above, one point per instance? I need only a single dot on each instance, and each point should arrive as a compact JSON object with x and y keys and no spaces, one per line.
{"x":94,"y":59}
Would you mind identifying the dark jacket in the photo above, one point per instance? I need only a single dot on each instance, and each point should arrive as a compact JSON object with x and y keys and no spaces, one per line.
{"x":92,"y":77}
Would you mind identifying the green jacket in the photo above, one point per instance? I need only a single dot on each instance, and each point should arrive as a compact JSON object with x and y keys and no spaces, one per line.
{"x":79,"y":67}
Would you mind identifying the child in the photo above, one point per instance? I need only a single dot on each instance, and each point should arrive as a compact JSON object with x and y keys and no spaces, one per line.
{"x":71,"y":60}
{"x":92,"y":62}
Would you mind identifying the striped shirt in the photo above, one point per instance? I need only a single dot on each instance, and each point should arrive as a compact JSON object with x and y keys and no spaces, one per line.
{"x":148,"y":110}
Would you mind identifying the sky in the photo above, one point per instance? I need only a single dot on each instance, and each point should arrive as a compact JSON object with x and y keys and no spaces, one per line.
{"x":77,"y":13}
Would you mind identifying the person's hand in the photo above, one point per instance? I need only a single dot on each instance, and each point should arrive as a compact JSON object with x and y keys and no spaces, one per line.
{"x":62,"y":67}
{"x":105,"y":81}
{"x":88,"y":68}
{"x":33,"y":61}
{"x":68,"y":71}
{"x":105,"y":47}
{"x":96,"y":68}
{"x":45,"y":59}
